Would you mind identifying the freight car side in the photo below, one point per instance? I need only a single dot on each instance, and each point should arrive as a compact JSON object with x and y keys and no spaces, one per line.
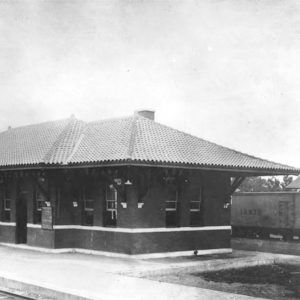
{"x":260,"y":215}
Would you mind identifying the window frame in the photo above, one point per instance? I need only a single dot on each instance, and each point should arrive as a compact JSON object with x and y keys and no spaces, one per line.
{"x":4,"y":203}
{"x":174,"y":201}
{"x":114,"y":210}
{"x":88,"y":200}
{"x":111,"y":200}
{"x":6,"y":210}
{"x":198,"y":206}
{"x":39,"y":199}
{"x":7,"y":196}
{"x":88,"y":210}
{"x":199,"y":201}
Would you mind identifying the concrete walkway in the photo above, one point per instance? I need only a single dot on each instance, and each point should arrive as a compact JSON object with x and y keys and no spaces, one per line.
{"x":79,"y":276}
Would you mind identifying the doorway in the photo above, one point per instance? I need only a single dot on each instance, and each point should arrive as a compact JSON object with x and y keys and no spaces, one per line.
{"x":21,"y":219}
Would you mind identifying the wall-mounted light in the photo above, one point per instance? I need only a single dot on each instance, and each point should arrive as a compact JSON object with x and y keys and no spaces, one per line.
{"x":128,"y":182}
{"x":226,"y":205}
{"x":41,"y":178}
{"x":140,"y":204}
{"x":124,"y":204}
{"x":118,"y":181}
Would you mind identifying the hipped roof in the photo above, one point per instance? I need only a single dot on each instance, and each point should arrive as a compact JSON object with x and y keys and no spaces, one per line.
{"x":131,"y":140}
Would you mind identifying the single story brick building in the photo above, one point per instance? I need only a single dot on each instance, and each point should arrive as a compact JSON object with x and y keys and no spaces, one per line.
{"x":127,"y":185}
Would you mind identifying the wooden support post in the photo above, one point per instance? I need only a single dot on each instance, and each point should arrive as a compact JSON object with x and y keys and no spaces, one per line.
{"x":236,"y":183}
{"x":40,"y":187}
{"x":120,"y":189}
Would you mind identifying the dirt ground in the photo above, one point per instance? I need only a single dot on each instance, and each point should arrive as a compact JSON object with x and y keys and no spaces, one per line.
{"x":273,"y":281}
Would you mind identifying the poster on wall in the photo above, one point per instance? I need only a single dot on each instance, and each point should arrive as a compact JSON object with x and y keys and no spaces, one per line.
{"x":47,"y":218}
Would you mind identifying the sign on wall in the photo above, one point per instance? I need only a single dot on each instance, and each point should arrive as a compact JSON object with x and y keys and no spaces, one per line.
{"x":47,"y":218}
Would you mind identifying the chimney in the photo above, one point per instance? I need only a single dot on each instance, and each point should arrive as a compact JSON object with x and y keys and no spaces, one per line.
{"x":149,"y":114}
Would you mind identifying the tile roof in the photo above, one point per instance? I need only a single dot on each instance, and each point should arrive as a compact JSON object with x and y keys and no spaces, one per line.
{"x":29,"y":145}
{"x":130,"y":140}
{"x":295,"y":184}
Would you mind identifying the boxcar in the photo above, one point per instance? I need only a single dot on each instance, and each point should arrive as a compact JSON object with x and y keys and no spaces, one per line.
{"x":261,"y":215}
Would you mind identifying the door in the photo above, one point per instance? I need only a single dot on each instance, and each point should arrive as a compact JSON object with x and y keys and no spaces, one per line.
{"x":21,"y":219}
{"x":286,"y":217}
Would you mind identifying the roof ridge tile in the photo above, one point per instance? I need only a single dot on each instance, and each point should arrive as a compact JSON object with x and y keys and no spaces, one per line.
{"x":65,"y":142}
{"x":12,"y":129}
{"x":132,"y":138}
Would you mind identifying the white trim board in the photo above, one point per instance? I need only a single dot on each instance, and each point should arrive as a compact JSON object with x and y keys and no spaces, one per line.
{"x":183,"y":253}
{"x":30,"y":225}
{"x":120,"y":255}
{"x":7,"y":223}
{"x":126,"y":230}
{"x":134,"y":230}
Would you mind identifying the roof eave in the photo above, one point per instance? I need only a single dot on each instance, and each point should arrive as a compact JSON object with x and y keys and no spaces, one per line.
{"x":129,"y":162}
{"x":244,"y":170}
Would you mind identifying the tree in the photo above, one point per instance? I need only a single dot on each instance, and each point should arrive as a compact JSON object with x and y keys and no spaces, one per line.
{"x":253,"y":184}
{"x":286,"y":181}
{"x":269,"y":184}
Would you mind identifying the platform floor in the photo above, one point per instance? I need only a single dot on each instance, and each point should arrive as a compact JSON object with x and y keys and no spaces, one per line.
{"x":270,"y":246}
{"x":80,"y":276}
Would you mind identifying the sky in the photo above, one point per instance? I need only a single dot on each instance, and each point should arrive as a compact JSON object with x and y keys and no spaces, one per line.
{"x":225,"y":70}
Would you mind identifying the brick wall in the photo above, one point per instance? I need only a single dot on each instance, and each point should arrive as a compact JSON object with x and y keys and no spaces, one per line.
{"x":66,"y":188}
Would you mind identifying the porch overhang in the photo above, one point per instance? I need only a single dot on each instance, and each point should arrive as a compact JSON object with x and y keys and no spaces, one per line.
{"x":231,"y":170}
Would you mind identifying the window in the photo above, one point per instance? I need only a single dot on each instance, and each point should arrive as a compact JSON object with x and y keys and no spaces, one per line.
{"x":88,"y":218}
{"x":39,"y":203}
{"x":195,"y":207}
{"x":7,"y":205}
{"x":89,"y":204}
{"x":171,"y":205}
{"x":111,"y":205}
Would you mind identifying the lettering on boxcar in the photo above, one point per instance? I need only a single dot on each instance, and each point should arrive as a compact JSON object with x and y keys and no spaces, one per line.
{"x":250,"y":212}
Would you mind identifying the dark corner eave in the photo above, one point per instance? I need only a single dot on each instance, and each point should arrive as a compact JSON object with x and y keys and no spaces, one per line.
{"x":229,"y":169}
{"x":235,"y":170}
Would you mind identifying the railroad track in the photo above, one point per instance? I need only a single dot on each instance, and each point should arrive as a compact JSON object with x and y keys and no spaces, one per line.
{"x":4,"y":295}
